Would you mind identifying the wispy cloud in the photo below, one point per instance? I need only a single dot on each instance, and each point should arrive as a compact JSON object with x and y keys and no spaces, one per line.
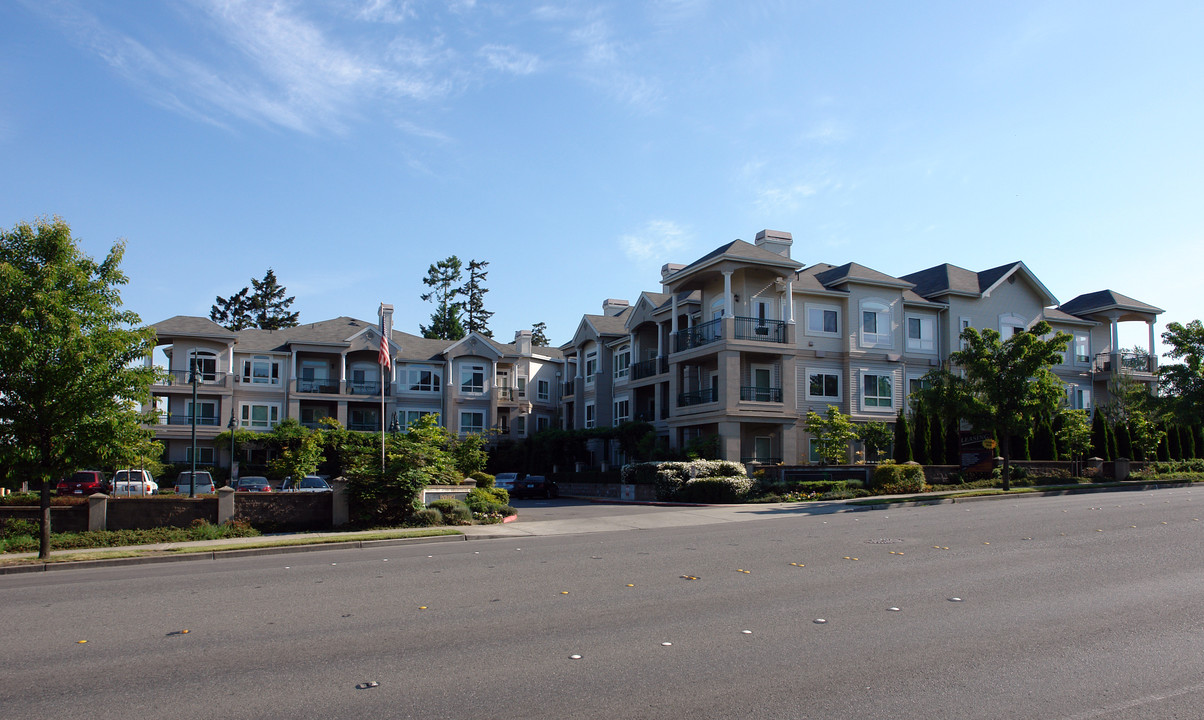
{"x":509,"y":59}
{"x":655,"y":241}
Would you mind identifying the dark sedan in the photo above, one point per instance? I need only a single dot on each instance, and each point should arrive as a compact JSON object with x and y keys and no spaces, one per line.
{"x":535,"y":486}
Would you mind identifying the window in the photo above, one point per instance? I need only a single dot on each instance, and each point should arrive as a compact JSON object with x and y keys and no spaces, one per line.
{"x":921,"y":334}
{"x":422,"y":378}
{"x":823,"y":384}
{"x":591,"y":366}
{"x":261,"y":370}
{"x":520,"y":386}
{"x":363,"y":419}
{"x":875,"y":324}
{"x":407,"y":417}
{"x":622,"y":362}
{"x":763,"y":309}
{"x":472,"y":378}
{"x":520,"y":425}
{"x":916,"y":384}
{"x":472,"y":422}
{"x":1082,"y":348}
{"x":1079,"y":397}
{"x":542,"y":423}
{"x":762,"y":448}
{"x":963,"y":324}
{"x":204,"y":456}
{"x":206,"y":412}
{"x":206,"y":365}
{"x":717,"y":308}
{"x":877,"y":390}
{"x":813,"y":451}
{"x":622,"y":410}
{"x":1010,"y":325}
{"x":542,"y":390}
{"x":591,"y":415}
{"x":260,"y":415}
{"x":312,"y":416}
{"x":823,"y":320}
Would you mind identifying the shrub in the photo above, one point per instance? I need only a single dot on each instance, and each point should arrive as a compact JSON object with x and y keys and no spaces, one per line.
{"x":484,"y":479}
{"x":672,"y":477}
{"x":892,"y":478}
{"x":426,"y":517}
{"x":482,"y":500}
{"x":640,"y":473}
{"x":455,"y":512}
{"x":731,"y":489}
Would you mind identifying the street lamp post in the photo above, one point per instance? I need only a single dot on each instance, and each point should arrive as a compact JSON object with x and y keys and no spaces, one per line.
{"x":232,"y":425}
{"x":193,"y":379}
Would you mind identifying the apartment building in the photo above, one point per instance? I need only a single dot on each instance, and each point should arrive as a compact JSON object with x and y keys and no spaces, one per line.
{"x":253,"y":379}
{"x":744,"y":341}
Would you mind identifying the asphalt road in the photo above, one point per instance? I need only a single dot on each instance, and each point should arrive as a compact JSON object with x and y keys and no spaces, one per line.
{"x":1077,"y":607}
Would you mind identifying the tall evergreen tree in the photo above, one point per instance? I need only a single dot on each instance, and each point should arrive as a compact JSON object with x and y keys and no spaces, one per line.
{"x":1044,"y":445}
{"x":1099,"y":436}
{"x":442,"y":277}
{"x":1188,"y":443}
{"x":1124,"y":441}
{"x":269,"y":304}
{"x":953,"y":443}
{"x":1172,"y":441}
{"x":476,"y":317}
{"x":919,"y":437}
{"x":936,"y":441}
{"x":234,"y":312}
{"x":1197,"y":433}
{"x":1164,"y":453}
{"x":902,"y":439}
{"x":1110,"y":437}
{"x":539,"y":334}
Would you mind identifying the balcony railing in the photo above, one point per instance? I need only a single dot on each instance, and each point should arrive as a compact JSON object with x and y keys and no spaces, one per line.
{"x":762,"y":330}
{"x":185,"y":419}
{"x":568,"y":388}
{"x":696,"y":397}
{"x":184,"y":377}
{"x":650,"y":368}
{"x":761,"y":394}
{"x":366,"y":388}
{"x":697,"y":336}
{"x":1129,"y":362}
{"x":361,"y":426}
{"x":762,"y":460}
{"x":319,"y":385}
{"x":505,"y":393}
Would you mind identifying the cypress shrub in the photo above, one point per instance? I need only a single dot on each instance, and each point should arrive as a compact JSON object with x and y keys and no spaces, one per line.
{"x":1044,"y":445}
{"x":937,"y":452}
{"x":953,"y":443}
{"x":919,"y":438}
{"x":1124,"y":442}
{"x":1099,"y":436}
{"x":1172,"y":442}
{"x":902,"y":439}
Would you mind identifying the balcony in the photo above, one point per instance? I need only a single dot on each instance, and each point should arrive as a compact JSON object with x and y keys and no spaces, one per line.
{"x":325,"y":386}
{"x":184,"y":377}
{"x":505,"y":394}
{"x":362,"y":426}
{"x":650,"y":368}
{"x":185,"y":419}
{"x":696,"y":397}
{"x":697,"y":336}
{"x":1129,"y":363}
{"x":371,"y":387}
{"x":761,"y":330}
{"x":568,"y":388}
{"x":761,"y":394}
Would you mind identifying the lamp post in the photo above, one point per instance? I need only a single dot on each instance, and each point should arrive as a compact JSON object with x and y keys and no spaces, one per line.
{"x":192,"y":378}
{"x":232,"y":425}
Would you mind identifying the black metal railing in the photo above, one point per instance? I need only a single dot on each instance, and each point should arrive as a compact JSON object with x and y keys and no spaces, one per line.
{"x":759,"y":329}
{"x":699,"y":335}
{"x":1129,"y":362}
{"x":649,"y":368}
{"x":184,"y":377}
{"x":185,"y":419}
{"x":318,"y":385}
{"x":366,"y":388}
{"x":761,"y":394}
{"x":696,"y":397}
{"x":364,"y":426}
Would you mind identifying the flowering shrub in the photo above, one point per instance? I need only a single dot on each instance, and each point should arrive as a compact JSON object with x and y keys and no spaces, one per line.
{"x":671,"y":478}
{"x":732,"y":489}
{"x":891,"y":478}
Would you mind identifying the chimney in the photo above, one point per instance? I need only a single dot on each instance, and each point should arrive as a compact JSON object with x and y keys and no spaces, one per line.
{"x":776,"y":241}
{"x":666,"y":270}
{"x":385,"y":314}
{"x":522,"y":341}
{"x":612,"y":307}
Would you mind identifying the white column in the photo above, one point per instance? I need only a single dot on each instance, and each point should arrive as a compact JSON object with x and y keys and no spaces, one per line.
{"x":790,"y":300}
{"x":1115,"y":336}
{"x":727,"y":294}
{"x":660,"y":339}
{"x":1153,"y":357}
{"x":673,"y":317}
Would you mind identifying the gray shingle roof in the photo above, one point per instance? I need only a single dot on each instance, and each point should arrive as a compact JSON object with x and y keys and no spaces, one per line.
{"x":192,"y":326}
{"x":1106,"y":300}
{"x":854,"y":272}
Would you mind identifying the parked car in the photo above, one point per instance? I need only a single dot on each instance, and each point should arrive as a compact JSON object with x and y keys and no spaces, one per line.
{"x":204,"y":482}
{"x":313,"y":484}
{"x":506,"y":480}
{"x":252,"y":483}
{"x":83,"y":483}
{"x":134,"y":482}
{"x":535,"y":486}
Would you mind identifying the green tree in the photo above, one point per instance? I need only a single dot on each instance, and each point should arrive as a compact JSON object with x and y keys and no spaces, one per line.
{"x":68,"y":381}
{"x":831,"y":434}
{"x":298,"y":460}
{"x":1045,"y":443}
{"x":269,"y":304}
{"x":1073,"y":433}
{"x":234,"y":312}
{"x":476,"y":317}
{"x":902,"y":439}
{"x":1182,"y":383}
{"x":876,"y":437}
{"x":442,"y":277}
{"x":936,"y":441}
{"x":919,"y":437}
{"x":1008,"y":383}
{"x":539,"y":335}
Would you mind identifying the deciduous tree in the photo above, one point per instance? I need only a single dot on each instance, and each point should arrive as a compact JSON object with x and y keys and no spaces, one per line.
{"x":831,"y":434}
{"x":70,"y":358}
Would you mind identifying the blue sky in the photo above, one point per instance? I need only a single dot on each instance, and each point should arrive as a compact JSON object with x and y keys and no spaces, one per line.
{"x":578,"y":146}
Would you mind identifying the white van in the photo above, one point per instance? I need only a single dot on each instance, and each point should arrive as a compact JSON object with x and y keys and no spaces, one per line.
{"x":204,"y":482}
{"x":133,"y":482}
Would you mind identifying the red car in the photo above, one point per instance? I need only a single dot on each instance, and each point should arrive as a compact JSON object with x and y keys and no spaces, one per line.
{"x":252,"y":483}
{"x":83,"y":483}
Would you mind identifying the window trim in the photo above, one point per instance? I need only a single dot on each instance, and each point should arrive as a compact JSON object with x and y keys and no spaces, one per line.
{"x":880,"y":338}
{"x":247,"y":420}
{"x":472,"y":369}
{"x":622,"y":417}
{"x":591,"y":414}
{"x":879,"y":407}
{"x":543,"y":390}
{"x":1011,"y":320}
{"x":811,"y":332}
{"x":834,"y":372}
{"x":414,"y":381}
{"x":922,"y":344}
{"x":622,"y":362}
{"x":249,"y":377}
{"x":1084,"y":359}
{"x":463,"y":429}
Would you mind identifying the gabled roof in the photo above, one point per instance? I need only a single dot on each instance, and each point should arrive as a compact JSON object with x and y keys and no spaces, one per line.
{"x":988,"y":280}
{"x":1104,"y":300}
{"x":856,"y":273}
{"x":599,"y":326}
{"x":471,"y":341}
{"x":1054,"y":315}
{"x":191,"y":326}
{"x":945,"y":279}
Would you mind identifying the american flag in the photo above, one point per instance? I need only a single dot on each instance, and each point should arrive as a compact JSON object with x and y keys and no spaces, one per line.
{"x":382,"y":357}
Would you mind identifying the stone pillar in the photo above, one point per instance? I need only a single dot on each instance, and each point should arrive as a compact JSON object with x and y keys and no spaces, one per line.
{"x":729,"y":441}
{"x":225,"y":505}
{"x":340,"y":512}
{"x":98,"y":512}
{"x":1120,"y":469}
